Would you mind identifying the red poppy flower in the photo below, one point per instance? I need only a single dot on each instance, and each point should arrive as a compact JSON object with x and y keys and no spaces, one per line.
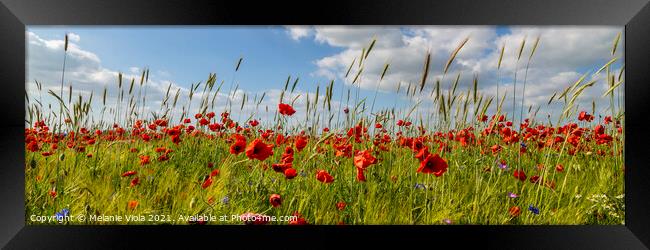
{"x":288,"y":151}
{"x":52,"y":193}
{"x":210,"y":115}
{"x":197,"y":116}
{"x":534,"y":179}
{"x":204,"y":122}
{"x":301,"y":142}
{"x":341,"y":205}
{"x":144,"y":159}
{"x":214,"y":127}
{"x":599,"y":130}
{"x":364,"y":159}
{"x":258,"y":150}
{"x":176,"y":139}
{"x":237,"y":147}
{"x":607,"y":119}
{"x":207,"y":183}
{"x":583,"y":116}
{"x":281,"y":167}
{"x":145,"y":137}
{"x":286,"y":109}
{"x":254,"y":123}
{"x":559,"y":168}
{"x":159,"y":122}
{"x":135,"y":181}
{"x":324,"y":177}
{"x":417,"y":145}
{"x":132,"y":204}
{"x":519,"y":174}
{"x":496,"y":149}
{"x":433,"y":164}
{"x":129,"y":173}
{"x":514,"y":211}
{"x":187,"y":120}
{"x":275,"y":200}
{"x":189,"y":129}
{"x":152,"y":126}
{"x":214,"y":172}
{"x":33,"y":146}
{"x":422,"y":154}
{"x":290,"y":173}
{"x":297,"y":220}
{"x":400,"y":123}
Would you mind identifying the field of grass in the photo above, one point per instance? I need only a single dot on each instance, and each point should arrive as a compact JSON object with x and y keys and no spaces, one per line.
{"x":448,"y":161}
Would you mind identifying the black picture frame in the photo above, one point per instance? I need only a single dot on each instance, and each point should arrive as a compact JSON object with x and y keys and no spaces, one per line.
{"x":634,"y":14}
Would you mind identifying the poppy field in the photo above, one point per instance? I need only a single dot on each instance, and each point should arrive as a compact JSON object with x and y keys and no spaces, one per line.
{"x":458,"y":157}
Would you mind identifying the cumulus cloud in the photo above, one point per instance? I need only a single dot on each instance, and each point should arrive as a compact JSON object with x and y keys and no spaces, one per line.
{"x":72,"y":37}
{"x":85,"y":73}
{"x":562,"y":55}
{"x":298,"y":32}
{"x":403,"y":48}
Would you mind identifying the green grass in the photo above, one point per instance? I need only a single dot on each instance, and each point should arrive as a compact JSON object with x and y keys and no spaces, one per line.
{"x":466,"y":193}
{"x":473,"y":190}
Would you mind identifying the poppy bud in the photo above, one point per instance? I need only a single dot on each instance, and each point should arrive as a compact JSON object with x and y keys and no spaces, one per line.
{"x":275,"y":200}
{"x":514,"y":211}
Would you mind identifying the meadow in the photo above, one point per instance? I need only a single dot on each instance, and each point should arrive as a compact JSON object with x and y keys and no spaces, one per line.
{"x":457,"y":158}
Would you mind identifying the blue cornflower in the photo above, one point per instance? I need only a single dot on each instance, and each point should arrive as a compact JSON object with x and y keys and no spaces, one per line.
{"x":523,"y":145}
{"x":61,"y":215}
{"x":533,"y":209}
{"x":503,"y":166}
{"x":225,"y":200}
{"x":419,"y":186}
{"x":302,"y":173}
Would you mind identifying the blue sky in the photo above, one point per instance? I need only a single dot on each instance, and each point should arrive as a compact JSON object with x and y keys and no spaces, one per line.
{"x":186,"y":55}
{"x":182,"y":55}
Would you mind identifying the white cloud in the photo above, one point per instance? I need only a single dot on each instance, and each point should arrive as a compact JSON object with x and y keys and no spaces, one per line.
{"x":72,"y":37}
{"x":83,"y":70}
{"x":562,"y":53}
{"x":298,"y":32}
{"x":87,"y":76}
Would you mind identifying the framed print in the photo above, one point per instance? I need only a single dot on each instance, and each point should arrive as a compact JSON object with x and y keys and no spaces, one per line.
{"x":517,"y":125}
